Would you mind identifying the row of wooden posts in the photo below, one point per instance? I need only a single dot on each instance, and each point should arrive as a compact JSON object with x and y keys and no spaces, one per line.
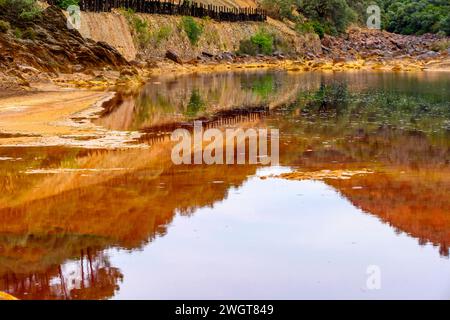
{"x":170,"y":7}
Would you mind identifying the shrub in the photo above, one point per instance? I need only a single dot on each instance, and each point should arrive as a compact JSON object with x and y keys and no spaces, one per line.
{"x":4,"y":26}
{"x":318,"y":28}
{"x":64,"y":4}
{"x":18,"y":33}
{"x":260,"y":43}
{"x":264,"y":41}
{"x":23,"y":9}
{"x":29,"y":33}
{"x":248,"y":47}
{"x":278,"y":9}
{"x":445,"y":25}
{"x":417,"y":16}
{"x":283,"y":46}
{"x":441,"y":45}
{"x":162,"y":34}
{"x":193,"y":29}
{"x":334,"y":15}
{"x":195,"y":105}
{"x":140,"y":27}
{"x":306,"y":27}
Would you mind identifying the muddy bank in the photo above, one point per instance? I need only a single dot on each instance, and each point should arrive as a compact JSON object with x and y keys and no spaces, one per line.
{"x":60,"y":118}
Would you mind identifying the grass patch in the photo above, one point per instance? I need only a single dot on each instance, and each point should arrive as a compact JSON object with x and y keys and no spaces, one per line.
{"x":64,"y":4}
{"x":162,"y":34}
{"x":193,"y":29}
{"x":140,"y":27}
{"x":441,"y":45}
{"x":27,"y":10}
{"x":18,"y":33}
{"x":196,"y":104}
{"x":4,"y":26}
{"x":29,"y":33}
{"x":260,"y":43}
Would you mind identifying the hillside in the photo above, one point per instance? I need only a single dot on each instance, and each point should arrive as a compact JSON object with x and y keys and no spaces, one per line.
{"x":166,"y":33}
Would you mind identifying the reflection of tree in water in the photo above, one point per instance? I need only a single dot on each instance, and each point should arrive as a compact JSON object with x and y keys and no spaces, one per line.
{"x":43,"y":240}
{"x":334,"y":101}
{"x":88,"y":277}
{"x":329,"y":99}
{"x":195,"y":105}
{"x":129,"y":210}
{"x":264,"y":86}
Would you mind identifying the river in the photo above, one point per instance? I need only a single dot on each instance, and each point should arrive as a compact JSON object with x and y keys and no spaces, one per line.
{"x":358,"y":206}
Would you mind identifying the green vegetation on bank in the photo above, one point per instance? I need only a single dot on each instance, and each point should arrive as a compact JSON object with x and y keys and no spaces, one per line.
{"x":266,"y":43}
{"x":4,"y":26}
{"x":64,"y":4}
{"x":139,"y":26}
{"x":26,"y":10}
{"x":193,"y":29}
{"x":335,"y":16}
{"x":417,"y":16}
{"x":162,"y":34}
{"x":260,"y":43}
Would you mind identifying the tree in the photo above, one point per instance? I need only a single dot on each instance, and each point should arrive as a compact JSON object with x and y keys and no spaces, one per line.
{"x":334,"y":15}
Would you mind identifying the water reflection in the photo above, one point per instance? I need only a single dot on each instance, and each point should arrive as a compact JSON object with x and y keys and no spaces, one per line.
{"x":56,"y":226}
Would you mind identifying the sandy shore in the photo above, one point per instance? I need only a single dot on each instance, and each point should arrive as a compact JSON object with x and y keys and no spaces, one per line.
{"x":26,"y":118}
{"x":105,"y":80}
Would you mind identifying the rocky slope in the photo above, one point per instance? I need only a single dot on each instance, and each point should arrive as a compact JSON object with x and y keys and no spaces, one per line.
{"x":32,"y":50}
{"x":364,"y":43}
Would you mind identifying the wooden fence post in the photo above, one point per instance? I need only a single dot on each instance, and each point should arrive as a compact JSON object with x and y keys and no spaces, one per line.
{"x":170,"y":7}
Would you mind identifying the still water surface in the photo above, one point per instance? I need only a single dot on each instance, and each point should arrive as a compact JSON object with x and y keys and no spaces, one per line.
{"x":128,"y":224}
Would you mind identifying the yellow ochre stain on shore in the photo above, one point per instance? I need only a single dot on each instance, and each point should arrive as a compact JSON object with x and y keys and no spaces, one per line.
{"x":5,"y":296}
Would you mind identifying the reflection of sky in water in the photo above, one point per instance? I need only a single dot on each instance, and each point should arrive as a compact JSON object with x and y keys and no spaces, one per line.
{"x":267,"y":238}
{"x":303,"y":241}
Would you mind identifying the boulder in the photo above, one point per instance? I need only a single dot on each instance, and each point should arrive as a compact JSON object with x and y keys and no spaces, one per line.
{"x":128,"y":71}
{"x":207,"y":54}
{"x":138,"y":64}
{"x":428,"y":55}
{"x":173,"y":56}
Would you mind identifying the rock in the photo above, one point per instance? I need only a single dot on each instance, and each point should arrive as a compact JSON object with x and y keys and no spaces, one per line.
{"x":339,"y":59}
{"x":138,"y":64}
{"x":326,"y":49}
{"x":228,"y":56}
{"x":56,"y":49}
{"x":27,"y":69}
{"x":244,"y":55}
{"x":327,"y":41}
{"x":78,"y":68}
{"x":428,"y":55}
{"x":207,"y":54}
{"x":173,"y":56}
{"x":278,"y":54}
{"x":129,"y":71}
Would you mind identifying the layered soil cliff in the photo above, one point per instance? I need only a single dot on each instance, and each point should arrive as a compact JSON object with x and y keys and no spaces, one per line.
{"x":166,"y":33}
